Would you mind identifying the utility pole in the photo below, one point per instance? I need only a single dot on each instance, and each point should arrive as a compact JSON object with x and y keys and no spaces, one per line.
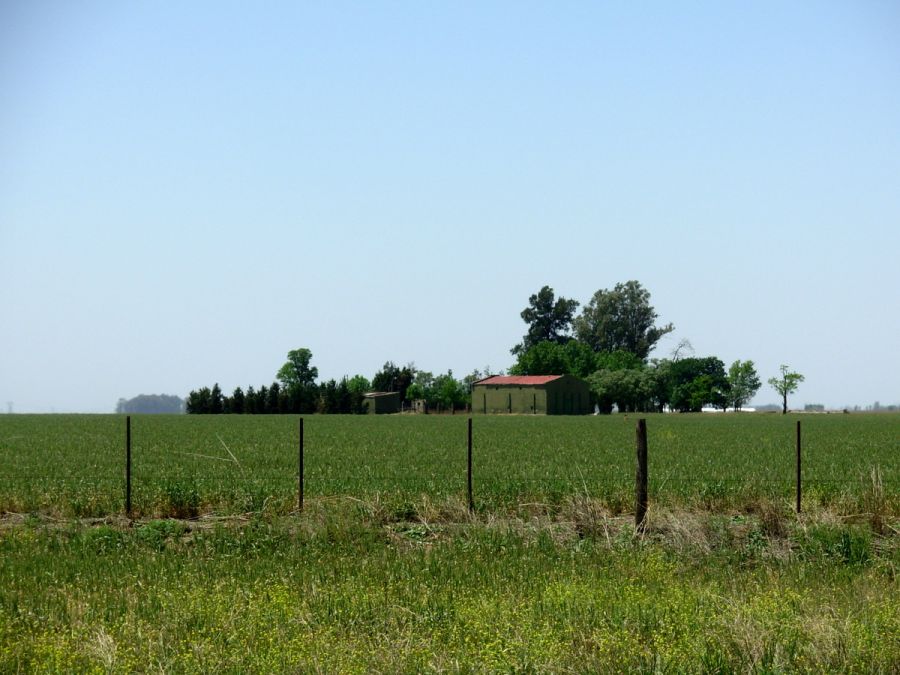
{"x":9,"y":407}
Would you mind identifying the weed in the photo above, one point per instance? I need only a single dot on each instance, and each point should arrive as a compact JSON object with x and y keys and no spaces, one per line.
{"x":181,"y":500}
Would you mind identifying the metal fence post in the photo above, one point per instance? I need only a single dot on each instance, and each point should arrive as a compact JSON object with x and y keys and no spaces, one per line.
{"x":640,"y":506}
{"x":300,"y":469}
{"x":469,"y":470}
{"x":798,"y":467}
{"x":128,"y":466}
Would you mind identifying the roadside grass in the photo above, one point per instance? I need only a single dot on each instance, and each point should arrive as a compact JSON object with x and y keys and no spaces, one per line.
{"x":349,"y":586}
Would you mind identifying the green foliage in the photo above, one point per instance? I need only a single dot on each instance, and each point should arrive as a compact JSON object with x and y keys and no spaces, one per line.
{"x":620,"y":319}
{"x":629,"y":389}
{"x":297,"y":373}
{"x":617,"y":360}
{"x":393,"y":378}
{"x":548,"y":318}
{"x":743,"y":383}
{"x":786,"y":383}
{"x":555,"y":358}
{"x":851,"y":546}
{"x":181,"y":499}
{"x":158,"y":534}
{"x":296,"y":392}
{"x":697,"y":382}
{"x":443,"y":392}
{"x":449,"y":393}
{"x":359,"y":384}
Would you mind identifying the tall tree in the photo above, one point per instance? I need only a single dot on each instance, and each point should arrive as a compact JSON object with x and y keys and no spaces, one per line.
{"x":328,"y":398}
{"x":621,"y":319}
{"x":298,"y":372}
{"x":359,"y":384}
{"x":743,"y":383}
{"x":696,"y":382}
{"x":273,"y":402}
{"x":216,"y":401}
{"x":198,"y":402}
{"x":251,"y":401}
{"x":237,"y":401}
{"x":449,"y":393}
{"x":785,"y":384}
{"x":262,"y":401}
{"x":549,"y":319}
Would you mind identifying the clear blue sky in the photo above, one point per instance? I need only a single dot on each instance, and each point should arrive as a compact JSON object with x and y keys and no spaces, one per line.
{"x":190,"y":190}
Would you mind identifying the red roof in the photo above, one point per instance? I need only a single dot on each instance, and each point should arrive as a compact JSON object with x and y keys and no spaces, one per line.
{"x":526,"y":380}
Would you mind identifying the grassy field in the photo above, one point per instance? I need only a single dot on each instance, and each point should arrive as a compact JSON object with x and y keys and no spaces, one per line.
{"x":386,"y":570}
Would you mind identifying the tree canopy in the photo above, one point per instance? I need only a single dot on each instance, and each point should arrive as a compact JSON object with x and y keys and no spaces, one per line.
{"x":786,"y":383}
{"x":549,"y":319}
{"x":743,"y":383}
{"x":620,"y":319}
{"x":393,"y":378}
{"x":297,"y":372}
{"x":697,"y":382}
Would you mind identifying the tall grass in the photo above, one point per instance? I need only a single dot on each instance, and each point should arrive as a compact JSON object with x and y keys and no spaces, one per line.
{"x":337,"y":591}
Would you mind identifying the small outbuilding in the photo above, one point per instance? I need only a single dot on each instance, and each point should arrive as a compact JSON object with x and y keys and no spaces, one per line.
{"x":382,"y":402}
{"x":532,"y":395}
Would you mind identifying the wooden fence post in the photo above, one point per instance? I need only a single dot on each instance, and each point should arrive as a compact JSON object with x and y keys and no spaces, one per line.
{"x":640,"y":506}
{"x":469,"y":470}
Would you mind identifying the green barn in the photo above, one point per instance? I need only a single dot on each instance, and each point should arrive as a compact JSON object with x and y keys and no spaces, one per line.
{"x":382,"y":402}
{"x":532,"y":395}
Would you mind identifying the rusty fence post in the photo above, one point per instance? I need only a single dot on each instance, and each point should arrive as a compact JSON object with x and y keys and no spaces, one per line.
{"x":640,"y":491}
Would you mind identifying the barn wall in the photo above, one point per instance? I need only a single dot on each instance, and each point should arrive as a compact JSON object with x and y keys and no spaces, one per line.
{"x":565,"y":396}
{"x":568,"y":396}
{"x":383,"y":404}
{"x":500,"y":399}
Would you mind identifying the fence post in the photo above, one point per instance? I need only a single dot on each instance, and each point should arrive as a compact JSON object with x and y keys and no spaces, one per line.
{"x":640,"y":506}
{"x":469,"y":471}
{"x":128,"y":466}
{"x":300,"y":469}
{"x":798,"y":467}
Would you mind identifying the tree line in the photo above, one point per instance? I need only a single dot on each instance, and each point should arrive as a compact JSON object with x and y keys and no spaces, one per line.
{"x":296,"y":391}
{"x":608,"y":344}
{"x":151,"y":404}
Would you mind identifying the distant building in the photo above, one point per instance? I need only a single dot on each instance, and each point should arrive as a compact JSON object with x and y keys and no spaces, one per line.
{"x":531,"y":395}
{"x":382,"y":402}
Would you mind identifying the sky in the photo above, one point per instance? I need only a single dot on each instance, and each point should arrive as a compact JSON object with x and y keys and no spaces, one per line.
{"x":190,"y":190}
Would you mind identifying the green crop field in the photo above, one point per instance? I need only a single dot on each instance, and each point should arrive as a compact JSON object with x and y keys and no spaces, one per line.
{"x":386,"y":570}
{"x":75,"y":465}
